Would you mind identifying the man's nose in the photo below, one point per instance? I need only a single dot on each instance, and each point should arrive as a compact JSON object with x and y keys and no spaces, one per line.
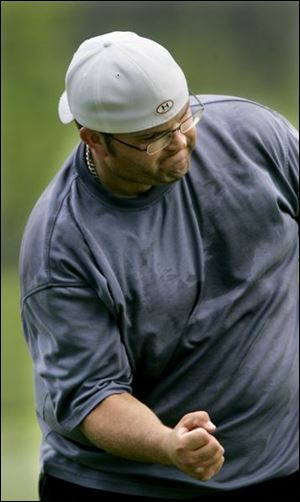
{"x":178,"y":141}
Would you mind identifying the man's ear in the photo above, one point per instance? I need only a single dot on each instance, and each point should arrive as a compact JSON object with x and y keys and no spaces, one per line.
{"x":94,"y":140}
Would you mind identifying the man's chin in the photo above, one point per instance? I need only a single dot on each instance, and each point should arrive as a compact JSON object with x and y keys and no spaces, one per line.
{"x":175,"y":171}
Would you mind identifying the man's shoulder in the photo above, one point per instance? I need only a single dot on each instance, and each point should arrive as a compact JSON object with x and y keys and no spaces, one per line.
{"x":246,"y":117}
{"x":221,"y":98}
{"x":50,"y":227}
{"x":236,"y":105}
{"x":51,"y":201}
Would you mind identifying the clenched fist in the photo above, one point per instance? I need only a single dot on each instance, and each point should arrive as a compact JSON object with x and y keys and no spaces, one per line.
{"x":192,"y":447}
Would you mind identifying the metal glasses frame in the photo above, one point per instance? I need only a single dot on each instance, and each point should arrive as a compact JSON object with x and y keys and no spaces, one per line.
{"x":169,"y":134}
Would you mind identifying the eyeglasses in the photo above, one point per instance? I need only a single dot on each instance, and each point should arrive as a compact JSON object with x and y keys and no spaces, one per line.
{"x":164,"y":139}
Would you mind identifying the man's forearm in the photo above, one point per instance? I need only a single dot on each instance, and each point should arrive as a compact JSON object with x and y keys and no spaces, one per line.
{"x":125,"y":427}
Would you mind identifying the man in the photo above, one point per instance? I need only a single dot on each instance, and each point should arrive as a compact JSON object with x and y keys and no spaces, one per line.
{"x":159,"y":285}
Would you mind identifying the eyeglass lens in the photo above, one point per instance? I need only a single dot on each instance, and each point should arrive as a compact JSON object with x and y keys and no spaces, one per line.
{"x":161,"y":143}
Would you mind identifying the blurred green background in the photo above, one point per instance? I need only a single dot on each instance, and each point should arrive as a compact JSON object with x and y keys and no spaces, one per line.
{"x":245,"y":49}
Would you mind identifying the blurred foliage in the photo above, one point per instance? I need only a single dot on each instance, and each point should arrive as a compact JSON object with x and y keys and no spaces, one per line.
{"x":239,"y":48}
{"x":20,"y":434}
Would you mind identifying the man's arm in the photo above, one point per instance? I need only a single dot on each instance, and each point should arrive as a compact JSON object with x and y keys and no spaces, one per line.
{"x":125,"y":427}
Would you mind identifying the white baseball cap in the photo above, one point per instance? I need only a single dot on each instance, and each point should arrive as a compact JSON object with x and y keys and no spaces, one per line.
{"x":120,"y":82}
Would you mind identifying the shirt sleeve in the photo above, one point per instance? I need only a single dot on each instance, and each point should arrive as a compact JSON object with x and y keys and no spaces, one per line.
{"x":281,"y":140}
{"x":77,"y":350}
{"x":274,"y":143}
{"x":291,"y":167}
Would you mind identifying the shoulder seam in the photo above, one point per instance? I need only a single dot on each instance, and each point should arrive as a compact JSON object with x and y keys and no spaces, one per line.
{"x":53,"y":226}
{"x":49,"y":285}
{"x":236,"y":99}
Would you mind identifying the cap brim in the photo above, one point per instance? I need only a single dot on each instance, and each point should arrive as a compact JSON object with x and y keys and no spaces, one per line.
{"x":64,"y":111}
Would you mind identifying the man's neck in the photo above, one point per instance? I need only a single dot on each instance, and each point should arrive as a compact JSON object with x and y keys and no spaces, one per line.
{"x":118,"y":188}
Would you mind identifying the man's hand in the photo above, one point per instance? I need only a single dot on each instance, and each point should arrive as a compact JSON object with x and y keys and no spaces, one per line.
{"x":193,"y":448}
{"x":125,"y":427}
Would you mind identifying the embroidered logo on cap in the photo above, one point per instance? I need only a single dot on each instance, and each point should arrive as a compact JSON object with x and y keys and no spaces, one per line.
{"x":165,"y":106}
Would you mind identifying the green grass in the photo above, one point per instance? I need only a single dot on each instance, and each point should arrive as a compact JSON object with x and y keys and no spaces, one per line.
{"x":20,"y":432}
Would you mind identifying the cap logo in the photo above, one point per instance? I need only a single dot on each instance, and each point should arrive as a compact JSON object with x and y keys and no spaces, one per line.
{"x":165,"y":106}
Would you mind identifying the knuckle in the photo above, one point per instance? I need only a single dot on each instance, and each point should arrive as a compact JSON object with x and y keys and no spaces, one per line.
{"x":187,"y":416}
{"x":204,"y":474}
{"x":203,"y":416}
{"x":199,"y":472}
{"x":204,"y":435}
{"x":200,"y":415}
